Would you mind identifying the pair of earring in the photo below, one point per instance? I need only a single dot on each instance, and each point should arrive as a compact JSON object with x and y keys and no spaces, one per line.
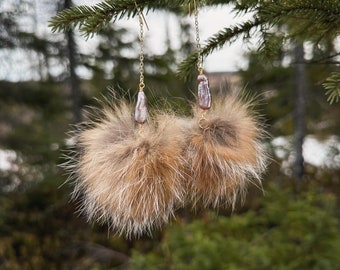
{"x":134,"y":177}
{"x":126,"y":175}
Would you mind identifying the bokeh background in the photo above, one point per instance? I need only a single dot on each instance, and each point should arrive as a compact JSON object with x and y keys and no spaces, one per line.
{"x":47,"y":79}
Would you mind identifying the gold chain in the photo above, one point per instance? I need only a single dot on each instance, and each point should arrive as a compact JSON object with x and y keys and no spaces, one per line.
{"x":141,"y":53}
{"x":142,"y":21}
{"x":198,"y":41}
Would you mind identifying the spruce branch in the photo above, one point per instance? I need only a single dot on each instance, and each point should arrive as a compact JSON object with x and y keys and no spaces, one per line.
{"x":91,"y":19}
{"x":332,"y":87}
{"x":309,"y":19}
{"x":216,"y":42}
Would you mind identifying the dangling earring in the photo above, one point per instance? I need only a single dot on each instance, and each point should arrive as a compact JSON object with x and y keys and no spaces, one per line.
{"x":224,"y":151}
{"x":129,"y":173}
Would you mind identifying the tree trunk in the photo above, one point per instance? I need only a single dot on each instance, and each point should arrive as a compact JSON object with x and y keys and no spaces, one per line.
{"x":74,"y":80}
{"x":300,"y":100}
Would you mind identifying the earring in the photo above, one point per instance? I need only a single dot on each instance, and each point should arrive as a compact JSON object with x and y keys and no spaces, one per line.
{"x":224,"y":151}
{"x":128,"y":172}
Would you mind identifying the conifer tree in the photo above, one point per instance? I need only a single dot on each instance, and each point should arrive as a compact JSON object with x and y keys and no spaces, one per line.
{"x":73,"y":77}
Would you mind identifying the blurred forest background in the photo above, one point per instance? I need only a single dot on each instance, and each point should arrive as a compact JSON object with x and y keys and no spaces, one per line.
{"x":46,"y":79}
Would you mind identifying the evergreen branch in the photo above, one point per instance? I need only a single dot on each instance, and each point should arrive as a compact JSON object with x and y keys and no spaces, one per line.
{"x":306,"y":20}
{"x":313,"y":18}
{"x":91,"y":19}
{"x":332,"y":87}
{"x":216,"y":42}
{"x":329,"y":12}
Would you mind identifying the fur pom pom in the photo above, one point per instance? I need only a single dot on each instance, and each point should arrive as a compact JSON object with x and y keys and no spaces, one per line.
{"x":224,"y":152}
{"x":129,"y":177}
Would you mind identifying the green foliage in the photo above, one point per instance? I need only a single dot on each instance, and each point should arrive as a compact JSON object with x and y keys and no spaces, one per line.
{"x":287,"y":232}
{"x":308,"y":19}
{"x":332,"y":86}
{"x":39,"y":227}
{"x":40,"y":230}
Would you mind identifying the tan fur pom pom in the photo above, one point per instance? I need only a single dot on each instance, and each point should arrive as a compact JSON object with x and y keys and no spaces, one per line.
{"x":224,"y":153}
{"x":130,"y":177}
